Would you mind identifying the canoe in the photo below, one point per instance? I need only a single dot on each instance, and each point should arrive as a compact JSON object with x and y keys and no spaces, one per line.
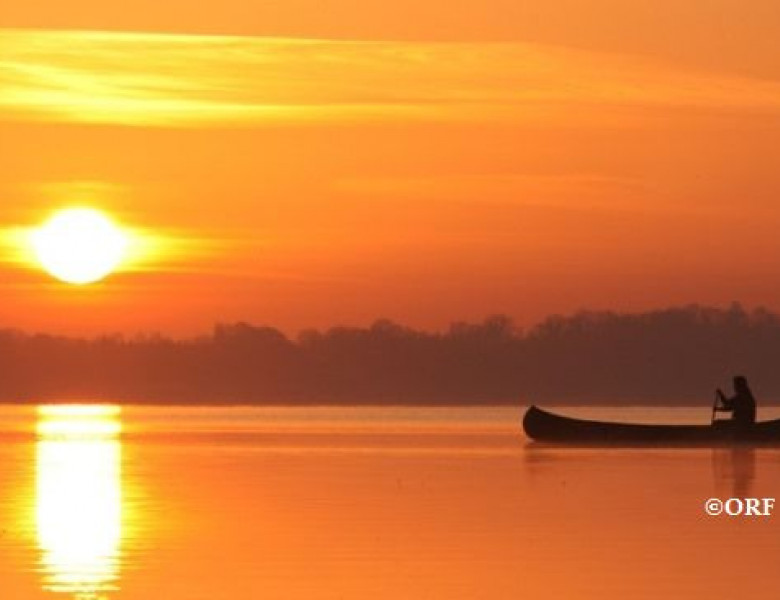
{"x":544,"y":426}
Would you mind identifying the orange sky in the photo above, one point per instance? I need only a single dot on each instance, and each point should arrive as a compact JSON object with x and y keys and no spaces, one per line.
{"x":309,"y":164}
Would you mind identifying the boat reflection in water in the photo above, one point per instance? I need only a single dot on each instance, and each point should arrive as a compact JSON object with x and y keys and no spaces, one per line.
{"x":79,"y":499}
{"x":734,"y":470}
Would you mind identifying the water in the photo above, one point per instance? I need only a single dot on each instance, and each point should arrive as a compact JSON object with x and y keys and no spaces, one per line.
{"x":355,"y":503}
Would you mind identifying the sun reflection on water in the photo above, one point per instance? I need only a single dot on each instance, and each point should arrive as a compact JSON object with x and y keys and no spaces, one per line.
{"x":79,"y":499}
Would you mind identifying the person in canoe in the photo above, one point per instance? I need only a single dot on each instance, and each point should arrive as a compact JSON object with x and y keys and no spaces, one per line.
{"x":742,"y":405}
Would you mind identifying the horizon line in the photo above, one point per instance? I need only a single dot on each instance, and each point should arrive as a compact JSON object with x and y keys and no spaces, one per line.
{"x":511,"y":321}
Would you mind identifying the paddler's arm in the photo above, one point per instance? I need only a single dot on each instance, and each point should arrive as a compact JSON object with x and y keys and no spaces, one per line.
{"x":727,"y":404}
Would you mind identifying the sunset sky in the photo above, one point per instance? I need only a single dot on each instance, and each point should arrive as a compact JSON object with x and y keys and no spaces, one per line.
{"x":305,"y":164}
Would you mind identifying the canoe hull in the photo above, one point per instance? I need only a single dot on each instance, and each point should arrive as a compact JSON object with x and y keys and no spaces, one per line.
{"x":544,"y":426}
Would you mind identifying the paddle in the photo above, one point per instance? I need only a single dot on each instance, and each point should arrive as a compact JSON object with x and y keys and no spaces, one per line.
{"x":714,"y":409}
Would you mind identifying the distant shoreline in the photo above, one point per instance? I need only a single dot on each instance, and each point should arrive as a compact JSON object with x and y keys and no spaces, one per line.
{"x":670,"y":357}
{"x":523,"y":406}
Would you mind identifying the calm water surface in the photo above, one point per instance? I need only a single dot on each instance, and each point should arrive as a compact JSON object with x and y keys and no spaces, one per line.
{"x":357,"y":503}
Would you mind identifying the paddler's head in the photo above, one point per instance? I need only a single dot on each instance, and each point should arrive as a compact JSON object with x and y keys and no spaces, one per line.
{"x":740,"y":383}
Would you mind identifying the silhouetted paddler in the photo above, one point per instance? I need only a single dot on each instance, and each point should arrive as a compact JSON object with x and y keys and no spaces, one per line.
{"x":742,"y":404}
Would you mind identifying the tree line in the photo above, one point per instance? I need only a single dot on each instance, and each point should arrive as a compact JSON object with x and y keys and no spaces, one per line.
{"x":671,"y":356}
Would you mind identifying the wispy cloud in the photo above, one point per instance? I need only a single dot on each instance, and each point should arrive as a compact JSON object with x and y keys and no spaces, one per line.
{"x":188,"y":80}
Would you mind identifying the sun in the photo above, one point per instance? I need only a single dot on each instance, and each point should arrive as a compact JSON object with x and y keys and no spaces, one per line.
{"x":79,"y":245}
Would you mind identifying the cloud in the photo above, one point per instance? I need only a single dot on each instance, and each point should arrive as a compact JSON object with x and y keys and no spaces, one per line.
{"x":194,"y":80}
{"x":513,"y":188}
